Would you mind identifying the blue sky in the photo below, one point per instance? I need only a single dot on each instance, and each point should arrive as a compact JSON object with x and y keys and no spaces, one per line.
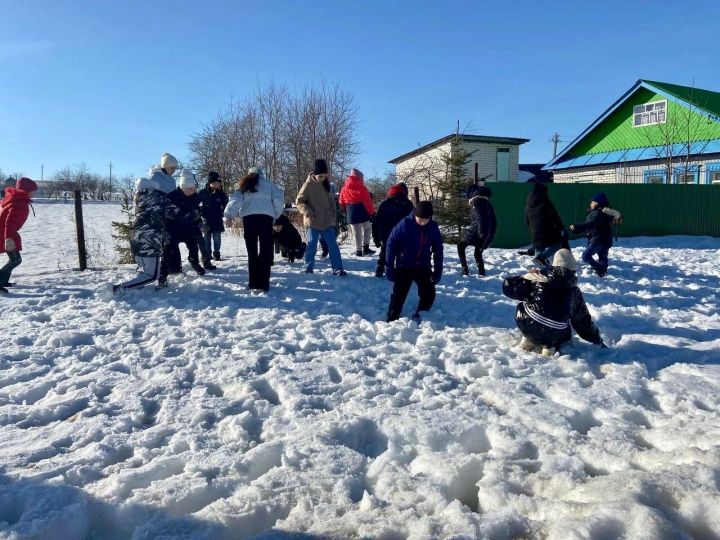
{"x":116,"y":81}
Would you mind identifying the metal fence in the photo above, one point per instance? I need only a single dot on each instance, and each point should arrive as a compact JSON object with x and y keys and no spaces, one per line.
{"x":647,"y":209}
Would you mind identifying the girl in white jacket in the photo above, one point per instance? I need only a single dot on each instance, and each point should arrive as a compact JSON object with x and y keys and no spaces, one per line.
{"x":259,"y":203}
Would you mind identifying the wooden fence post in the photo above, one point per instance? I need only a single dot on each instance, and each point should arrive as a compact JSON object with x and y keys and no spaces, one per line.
{"x":80,"y":227}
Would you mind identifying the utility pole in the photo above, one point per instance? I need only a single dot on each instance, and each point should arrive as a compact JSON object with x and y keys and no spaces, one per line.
{"x":555,"y":140}
{"x":42,"y":172}
{"x":111,"y":191}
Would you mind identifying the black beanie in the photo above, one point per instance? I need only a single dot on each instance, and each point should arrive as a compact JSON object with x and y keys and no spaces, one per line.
{"x":213,"y":177}
{"x":424,"y":210}
{"x":320,"y":167}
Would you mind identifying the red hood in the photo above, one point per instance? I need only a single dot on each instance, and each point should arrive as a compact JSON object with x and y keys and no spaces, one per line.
{"x":14,"y":195}
{"x":354,"y":182}
{"x":397,"y":191}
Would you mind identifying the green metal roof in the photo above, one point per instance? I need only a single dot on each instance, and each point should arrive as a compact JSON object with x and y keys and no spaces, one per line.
{"x":704,"y":99}
{"x":612,"y":130}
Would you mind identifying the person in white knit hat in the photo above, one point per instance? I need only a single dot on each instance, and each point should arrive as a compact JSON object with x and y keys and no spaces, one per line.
{"x":183,"y":226}
{"x":551,"y":306}
{"x":163,"y":174}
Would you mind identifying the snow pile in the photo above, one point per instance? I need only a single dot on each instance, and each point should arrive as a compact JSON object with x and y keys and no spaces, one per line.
{"x":204,"y":411}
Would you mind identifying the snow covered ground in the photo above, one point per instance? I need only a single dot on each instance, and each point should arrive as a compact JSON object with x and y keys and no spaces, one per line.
{"x":203,"y":411}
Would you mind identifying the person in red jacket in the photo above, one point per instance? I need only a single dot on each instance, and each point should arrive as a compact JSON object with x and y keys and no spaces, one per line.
{"x":14,"y":211}
{"x":355,"y":199}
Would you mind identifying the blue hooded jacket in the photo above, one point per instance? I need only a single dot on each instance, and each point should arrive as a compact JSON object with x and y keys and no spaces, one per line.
{"x":410,"y":246}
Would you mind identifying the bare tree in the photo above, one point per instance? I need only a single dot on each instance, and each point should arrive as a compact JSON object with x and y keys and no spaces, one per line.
{"x":676,"y":133}
{"x":281,"y":132}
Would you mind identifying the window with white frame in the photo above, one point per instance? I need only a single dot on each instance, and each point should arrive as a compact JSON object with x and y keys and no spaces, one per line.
{"x":650,"y":113}
{"x":655,"y":176}
{"x":715,"y":177}
{"x":685,"y":178}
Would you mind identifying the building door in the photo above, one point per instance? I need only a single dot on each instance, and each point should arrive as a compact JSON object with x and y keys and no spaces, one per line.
{"x":502,"y":165}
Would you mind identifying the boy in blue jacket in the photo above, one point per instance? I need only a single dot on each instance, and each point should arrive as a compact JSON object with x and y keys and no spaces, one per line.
{"x":411,"y":244}
{"x":598,"y":228}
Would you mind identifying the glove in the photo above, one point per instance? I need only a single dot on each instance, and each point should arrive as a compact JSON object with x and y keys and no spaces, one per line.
{"x":390,"y":273}
{"x":9,"y":244}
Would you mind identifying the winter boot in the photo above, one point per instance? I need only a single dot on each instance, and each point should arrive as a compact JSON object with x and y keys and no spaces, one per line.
{"x":216,"y":255}
{"x":309,"y":271}
{"x":162,"y":282}
{"x":465,"y":271}
{"x":340,"y":272}
{"x":367,"y":251}
{"x":526,"y":345}
{"x":199,"y":269}
{"x":379,"y":271}
{"x":3,"y":290}
{"x":208,"y":265}
{"x":548,"y":351}
{"x":358,"y":253}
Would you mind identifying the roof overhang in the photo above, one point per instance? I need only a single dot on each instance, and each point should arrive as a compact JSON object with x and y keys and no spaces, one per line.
{"x":509,"y":141}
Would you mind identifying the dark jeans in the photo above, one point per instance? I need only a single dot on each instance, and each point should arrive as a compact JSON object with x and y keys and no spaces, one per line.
{"x":213,"y":238}
{"x":5,"y":271}
{"x":381,"y":256}
{"x":478,"y":253}
{"x":258,"y":234}
{"x":204,"y":250}
{"x":170,"y":262}
{"x":404,"y":278}
{"x":601,"y":265}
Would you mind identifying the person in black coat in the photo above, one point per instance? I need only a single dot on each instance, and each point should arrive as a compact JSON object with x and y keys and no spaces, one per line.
{"x":214,"y":200}
{"x":551,"y":306}
{"x":546,"y":228}
{"x":390,"y":212}
{"x":481,"y":232}
{"x":288,"y":238}
{"x":598,"y":228}
{"x":183,"y":226}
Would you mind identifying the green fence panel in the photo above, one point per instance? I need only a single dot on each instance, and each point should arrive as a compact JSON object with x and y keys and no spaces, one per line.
{"x":647,"y":209}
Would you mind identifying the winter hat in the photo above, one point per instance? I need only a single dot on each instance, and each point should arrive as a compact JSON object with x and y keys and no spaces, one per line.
{"x":398,"y":190}
{"x":320,"y":167}
{"x":424,"y":210}
{"x":213,"y":177}
{"x":471,"y":191}
{"x":168,"y":160}
{"x":25,"y":184}
{"x":187,"y":179}
{"x":564,"y":258}
{"x":255,"y":170}
{"x":601,"y":199}
{"x":484,"y":191}
{"x":357,"y":172}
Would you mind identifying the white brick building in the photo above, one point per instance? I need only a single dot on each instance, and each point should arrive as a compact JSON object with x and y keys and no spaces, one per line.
{"x":493,"y":158}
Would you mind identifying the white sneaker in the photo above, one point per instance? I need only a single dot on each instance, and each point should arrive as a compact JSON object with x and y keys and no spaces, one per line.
{"x":526,"y":345}
{"x":548,"y":351}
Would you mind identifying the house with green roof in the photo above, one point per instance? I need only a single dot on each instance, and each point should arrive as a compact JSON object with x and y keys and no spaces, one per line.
{"x":654,"y":133}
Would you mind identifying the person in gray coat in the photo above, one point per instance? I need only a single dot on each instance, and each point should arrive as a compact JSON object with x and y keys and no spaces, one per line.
{"x":259,"y":203}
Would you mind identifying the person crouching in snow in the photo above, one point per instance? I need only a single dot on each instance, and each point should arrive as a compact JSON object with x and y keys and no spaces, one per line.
{"x":149,"y":233}
{"x":288,"y":239}
{"x":409,"y":248}
{"x":481,"y":232}
{"x":15,"y":211}
{"x":551,"y":304}
{"x":598,"y":228}
{"x":183,"y":226}
{"x":356,"y":201}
